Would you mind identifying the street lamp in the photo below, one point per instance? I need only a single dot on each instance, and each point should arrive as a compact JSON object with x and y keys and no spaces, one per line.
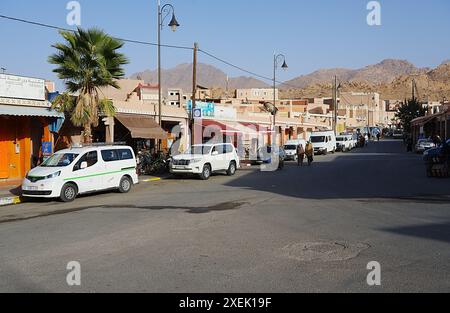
{"x":277,"y":59}
{"x":166,"y":9}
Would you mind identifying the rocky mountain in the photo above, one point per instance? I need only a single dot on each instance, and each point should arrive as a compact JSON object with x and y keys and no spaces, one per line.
{"x":391,"y":78}
{"x":433,"y":84}
{"x":207,"y":75}
{"x":384,"y":72}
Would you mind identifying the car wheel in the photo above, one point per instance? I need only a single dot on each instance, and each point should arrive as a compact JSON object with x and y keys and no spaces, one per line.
{"x":206,"y":172}
{"x":325,"y":152}
{"x":231,"y":169}
{"x":125,"y":185}
{"x":68,"y":193}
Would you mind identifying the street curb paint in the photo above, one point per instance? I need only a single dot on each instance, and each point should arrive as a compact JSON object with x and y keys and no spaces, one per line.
{"x":10,"y":201}
{"x":152,"y":180}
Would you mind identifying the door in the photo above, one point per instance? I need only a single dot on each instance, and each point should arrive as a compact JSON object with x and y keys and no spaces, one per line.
{"x":4,"y":153}
{"x":90,"y":178}
{"x":218,"y":158}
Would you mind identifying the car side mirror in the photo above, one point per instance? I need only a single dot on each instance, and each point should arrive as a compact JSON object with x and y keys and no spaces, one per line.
{"x":83,"y":165}
{"x":215,"y":153}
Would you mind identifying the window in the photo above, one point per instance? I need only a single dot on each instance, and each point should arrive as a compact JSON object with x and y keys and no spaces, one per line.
{"x":219,"y":149}
{"x":110,"y":155}
{"x":125,"y":154}
{"x":60,"y":160}
{"x":228,"y":149}
{"x":91,"y":158}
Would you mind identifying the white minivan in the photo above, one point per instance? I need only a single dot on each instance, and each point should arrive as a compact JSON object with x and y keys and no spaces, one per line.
{"x":323,"y":142}
{"x":75,"y":171}
{"x":291,"y":148}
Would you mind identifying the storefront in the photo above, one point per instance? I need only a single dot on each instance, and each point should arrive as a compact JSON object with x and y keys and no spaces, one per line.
{"x":27,"y":126}
{"x":26,"y":138}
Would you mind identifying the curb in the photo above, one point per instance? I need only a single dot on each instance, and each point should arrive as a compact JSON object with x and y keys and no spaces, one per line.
{"x":10,"y":201}
{"x":151,"y":180}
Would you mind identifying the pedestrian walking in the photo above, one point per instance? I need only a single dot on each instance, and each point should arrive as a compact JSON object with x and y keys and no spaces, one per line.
{"x":409,"y":144}
{"x":378,"y":136}
{"x":300,"y":155}
{"x":309,"y":152}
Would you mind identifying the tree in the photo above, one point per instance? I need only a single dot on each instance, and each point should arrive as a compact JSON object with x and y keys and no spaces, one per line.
{"x":87,"y":62}
{"x":409,"y":111}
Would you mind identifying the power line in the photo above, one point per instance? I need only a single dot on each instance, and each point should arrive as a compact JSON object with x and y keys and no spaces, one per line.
{"x":150,"y":44}
{"x":71,"y":30}
{"x":242,"y":69}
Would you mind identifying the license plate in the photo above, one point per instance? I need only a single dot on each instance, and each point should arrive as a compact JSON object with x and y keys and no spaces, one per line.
{"x":32,"y":188}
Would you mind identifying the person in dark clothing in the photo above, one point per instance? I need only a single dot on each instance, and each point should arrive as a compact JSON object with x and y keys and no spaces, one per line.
{"x":300,"y":155}
{"x":409,"y":144}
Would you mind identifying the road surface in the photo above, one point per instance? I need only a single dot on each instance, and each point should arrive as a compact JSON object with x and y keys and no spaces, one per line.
{"x":310,"y":229}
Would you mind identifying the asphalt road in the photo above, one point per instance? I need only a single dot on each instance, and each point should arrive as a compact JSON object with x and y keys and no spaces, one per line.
{"x":311,"y":229}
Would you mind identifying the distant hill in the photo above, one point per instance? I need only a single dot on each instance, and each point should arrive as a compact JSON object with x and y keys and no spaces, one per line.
{"x":207,"y":75}
{"x":383,"y":72}
{"x":392,"y":78}
{"x":432,"y":84}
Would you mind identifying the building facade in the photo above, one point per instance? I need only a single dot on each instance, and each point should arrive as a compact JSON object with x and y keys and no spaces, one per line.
{"x":28,"y":127}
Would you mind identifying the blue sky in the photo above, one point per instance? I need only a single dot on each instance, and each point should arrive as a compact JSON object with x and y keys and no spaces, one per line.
{"x":312,"y":34}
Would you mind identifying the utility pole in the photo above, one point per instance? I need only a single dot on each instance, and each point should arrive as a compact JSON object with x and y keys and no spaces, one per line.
{"x":194,"y":93}
{"x":335,"y":104}
{"x":413,"y":89}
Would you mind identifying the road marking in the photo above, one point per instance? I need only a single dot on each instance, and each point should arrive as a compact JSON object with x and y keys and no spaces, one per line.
{"x":151,"y":180}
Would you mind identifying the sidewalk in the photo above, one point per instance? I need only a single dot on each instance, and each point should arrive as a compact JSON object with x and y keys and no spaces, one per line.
{"x":10,"y":195}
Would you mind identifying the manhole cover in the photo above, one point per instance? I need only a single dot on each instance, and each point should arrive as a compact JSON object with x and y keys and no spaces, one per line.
{"x":324,"y":251}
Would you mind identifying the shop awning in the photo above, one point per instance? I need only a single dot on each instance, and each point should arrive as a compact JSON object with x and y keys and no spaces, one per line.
{"x":420,"y":121}
{"x":222,"y":126}
{"x":17,"y":110}
{"x":142,"y":126}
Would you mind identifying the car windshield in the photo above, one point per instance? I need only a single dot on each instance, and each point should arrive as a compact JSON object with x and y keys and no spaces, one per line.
{"x":318,"y":139}
{"x":60,"y":160}
{"x":290,"y":147}
{"x":340,"y":139}
{"x":199,"y":150}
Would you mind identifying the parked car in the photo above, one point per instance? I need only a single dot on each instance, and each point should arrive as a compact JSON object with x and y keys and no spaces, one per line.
{"x":344,"y":143}
{"x":323,"y":142}
{"x":266,"y":153}
{"x":398,"y":134}
{"x":75,"y":171}
{"x":291,"y":148}
{"x":204,"y":160}
{"x":437,"y":160}
{"x":424,"y":145}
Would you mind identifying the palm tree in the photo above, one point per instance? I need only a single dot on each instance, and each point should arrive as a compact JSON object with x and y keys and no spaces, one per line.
{"x":87,"y":62}
{"x":409,"y":111}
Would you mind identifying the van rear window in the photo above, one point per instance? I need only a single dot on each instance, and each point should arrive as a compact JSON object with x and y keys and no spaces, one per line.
{"x":125,"y":154}
{"x":110,"y":155}
{"x":116,"y":155}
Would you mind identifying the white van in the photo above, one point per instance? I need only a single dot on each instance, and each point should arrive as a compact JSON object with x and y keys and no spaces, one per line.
{"x":75,"y":171}
{"x":291,"y":148}
{"x":344,"y":143}
{"x":323,"y":142}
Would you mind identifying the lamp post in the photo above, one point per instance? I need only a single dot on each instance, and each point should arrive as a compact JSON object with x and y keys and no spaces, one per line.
{"x":277,"y":59}
{"x":166,"y":9}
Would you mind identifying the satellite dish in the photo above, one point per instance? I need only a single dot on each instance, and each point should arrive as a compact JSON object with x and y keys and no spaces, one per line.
{"x":269,"y":107}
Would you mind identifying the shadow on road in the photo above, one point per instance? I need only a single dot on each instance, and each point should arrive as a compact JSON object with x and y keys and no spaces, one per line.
{"x":439,"y":232}
{"x":381,"y":170}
